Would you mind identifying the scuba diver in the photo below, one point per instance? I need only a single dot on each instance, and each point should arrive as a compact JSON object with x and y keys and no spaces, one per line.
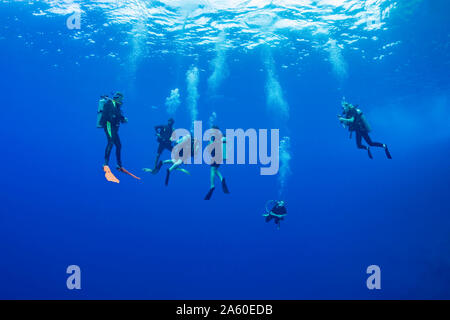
{"x":278,"y":211}
{"x":176,"y":163}
{"x":354,"y":119}
{"x":215,"y":169}
{"x":109,"y":117}
{"x":164,"y":138}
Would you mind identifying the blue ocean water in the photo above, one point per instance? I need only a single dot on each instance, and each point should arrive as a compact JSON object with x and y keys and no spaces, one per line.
{"x":260,"y":64}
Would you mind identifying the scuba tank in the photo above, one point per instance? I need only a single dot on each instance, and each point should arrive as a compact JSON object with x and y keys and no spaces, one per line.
{"x":360,"y":123}
{"x":101,"y":104}
{"x":364,"y":123}
{"x":223,"y":149}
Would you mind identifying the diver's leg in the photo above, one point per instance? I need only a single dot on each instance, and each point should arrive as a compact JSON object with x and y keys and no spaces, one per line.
{"x":156,"y":161}
{"x":176,"y":164}
{"x":158,"y":155}
{"x":359,"y":141}
{"x":361,"y":146}
{"x":211,"y":189}
{"x":369,"y":141}
{"x":212,"y":176}
{"x":219,"y":174}
{"x":377,"y":144}
{"x":108,"y":149}
{"x":223,"y":182}
{"x":118,"y":145}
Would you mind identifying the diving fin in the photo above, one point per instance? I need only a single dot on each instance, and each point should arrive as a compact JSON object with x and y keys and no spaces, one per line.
{"x":224,"y":186}
{"x":184,"y":170}
{"x":369,"y":153}
{"x":122,"y":169}
{"x":388,"y":154}
{"x":109,"y":175}
{"x":209,"y":194}
{"x":167,"y":177}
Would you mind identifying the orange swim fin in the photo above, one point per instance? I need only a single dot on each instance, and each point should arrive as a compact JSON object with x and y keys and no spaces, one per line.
{"x":127,"y":172}
{"x":109,"y":176}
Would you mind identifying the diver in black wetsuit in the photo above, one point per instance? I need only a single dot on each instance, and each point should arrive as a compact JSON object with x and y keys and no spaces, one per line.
{"x":355,"y":120}
{"x":277,"y":213}
{"x":164,"y":137}
{"x":214,"y":171}
{"x":110,"y":121}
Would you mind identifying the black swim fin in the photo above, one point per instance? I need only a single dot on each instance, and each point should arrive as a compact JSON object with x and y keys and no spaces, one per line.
{"x":388,"y":154}
{"x":209,"y":194}
{"x":167,"y":177}
{"x":224,"y":186}
{"x":369,"y":153}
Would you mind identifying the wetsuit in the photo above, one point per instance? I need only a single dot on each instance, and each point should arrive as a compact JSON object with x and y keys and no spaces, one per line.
{"x":361,"y":129}
{"x":112,"y":114}
{"x":164,"y":134}
{"x":278,"y":210}
{"x":213,"y":153}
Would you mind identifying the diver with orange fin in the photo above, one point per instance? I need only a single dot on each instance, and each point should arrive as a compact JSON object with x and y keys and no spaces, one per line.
{"x":109,"y":117}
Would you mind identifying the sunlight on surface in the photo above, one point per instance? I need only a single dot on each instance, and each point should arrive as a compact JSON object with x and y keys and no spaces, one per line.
{"x":184,"y":26}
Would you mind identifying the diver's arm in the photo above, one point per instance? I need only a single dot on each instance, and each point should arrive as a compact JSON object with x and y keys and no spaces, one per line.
{"x":346,"y":121}
{"x":172,"y":137}
{"x":278,"y":211}
{"x":276,"y":215}
{"x":158,"y":131}
{"x":123,"y":119}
